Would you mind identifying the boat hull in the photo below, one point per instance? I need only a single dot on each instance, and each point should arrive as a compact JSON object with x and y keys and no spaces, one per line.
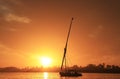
{"x":70,"y":74}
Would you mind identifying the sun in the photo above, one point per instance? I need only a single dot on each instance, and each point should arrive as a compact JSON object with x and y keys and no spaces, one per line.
{"x":45,"y":61}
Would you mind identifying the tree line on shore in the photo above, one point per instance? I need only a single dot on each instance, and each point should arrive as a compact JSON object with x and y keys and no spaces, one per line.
{"x":90,"y":68}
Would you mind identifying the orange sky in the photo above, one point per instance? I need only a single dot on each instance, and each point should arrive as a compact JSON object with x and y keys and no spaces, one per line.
{"x":30,"y":29}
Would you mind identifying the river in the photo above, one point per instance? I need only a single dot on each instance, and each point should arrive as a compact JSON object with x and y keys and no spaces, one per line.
{"x":50,"y":75}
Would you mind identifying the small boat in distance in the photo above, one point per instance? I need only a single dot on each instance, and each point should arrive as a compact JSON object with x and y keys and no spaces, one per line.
{"x":66,"y":71}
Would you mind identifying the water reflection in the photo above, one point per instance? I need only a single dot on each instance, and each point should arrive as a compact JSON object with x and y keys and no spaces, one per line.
{"x":48,"y":75}
{"x":45,"y":75}
{"x":70,"y":78}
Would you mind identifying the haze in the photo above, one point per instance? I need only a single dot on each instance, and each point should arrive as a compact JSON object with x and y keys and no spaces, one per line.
{"x":31,"y":29}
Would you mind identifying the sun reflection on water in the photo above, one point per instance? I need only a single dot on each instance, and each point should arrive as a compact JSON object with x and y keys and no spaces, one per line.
{"x":45,"y":74}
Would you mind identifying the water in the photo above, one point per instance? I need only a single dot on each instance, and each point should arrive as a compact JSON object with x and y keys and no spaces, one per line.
{"x":45,"y":75}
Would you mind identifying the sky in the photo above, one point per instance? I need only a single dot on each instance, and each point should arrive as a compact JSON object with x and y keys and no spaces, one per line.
{"x":31,"y":29}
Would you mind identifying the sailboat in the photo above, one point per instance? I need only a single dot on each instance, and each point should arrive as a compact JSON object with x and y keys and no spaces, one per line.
{"x":66,"y":72}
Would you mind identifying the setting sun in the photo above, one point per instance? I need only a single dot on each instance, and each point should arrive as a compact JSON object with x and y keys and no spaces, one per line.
{"x":45,"y":61}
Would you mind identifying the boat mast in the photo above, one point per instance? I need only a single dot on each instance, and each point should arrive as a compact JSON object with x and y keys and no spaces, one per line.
{"x":65,"y":49}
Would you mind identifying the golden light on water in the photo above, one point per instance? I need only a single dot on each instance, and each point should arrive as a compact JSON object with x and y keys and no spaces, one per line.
{"x":45,"y":74}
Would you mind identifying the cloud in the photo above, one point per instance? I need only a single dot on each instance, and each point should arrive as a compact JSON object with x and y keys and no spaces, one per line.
{"x":8,"y":13}
{"x":96,"y":32}
{"x":11,"y":29}
{"x":7,"y":50}
{"x":15,"y":2}
{"x":4,"y":10}
{"x":11,"y":17}
{"x":4,"y":49}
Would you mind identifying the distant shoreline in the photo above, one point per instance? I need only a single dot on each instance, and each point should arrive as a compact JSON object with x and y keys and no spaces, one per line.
{"x":91,"y":68}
